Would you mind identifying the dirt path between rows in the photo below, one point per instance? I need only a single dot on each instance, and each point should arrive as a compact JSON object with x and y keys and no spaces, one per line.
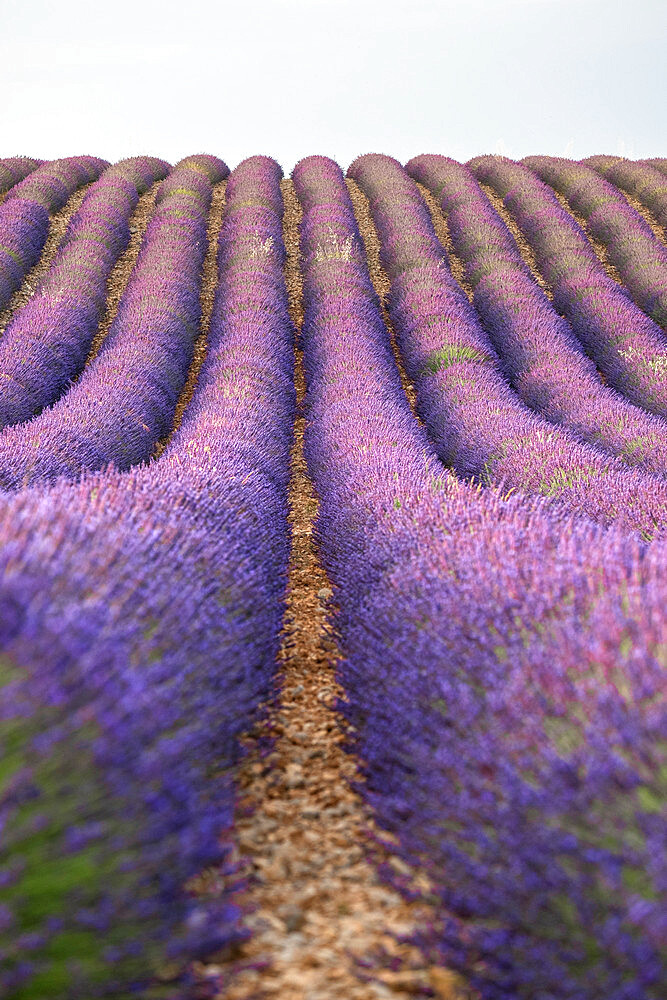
{"x":598,"y":247}
{"x":522,"y":244}
{"x":441,"y":227}
{"x":380,"y":279}
{"x":57,"y":229}
{"x":122,"y":270}
{"x":647,"y":215}
{"x":206,"y":297}
{"x":323,"y":924}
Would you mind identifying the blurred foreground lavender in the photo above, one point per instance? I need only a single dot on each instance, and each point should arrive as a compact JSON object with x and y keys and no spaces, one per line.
{"x":501,"y":621}
{"x":504,"y":670}
{"x":140,"y":624}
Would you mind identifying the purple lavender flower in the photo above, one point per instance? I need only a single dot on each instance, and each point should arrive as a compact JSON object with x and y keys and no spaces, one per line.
{"x":476,"y":421}
{"x":148,"y":614}
{"x":24,"y":213}
{"x":501,"y":668}
{"x":641,"y":180}
{"x":537,"y":349}
{"x":628,"y":347}
{"x":14,"y":169}
{"x":51,"y":184}
{"x":125,"y":398}
{"x":47,"y":342}
{"x":641,"y":259}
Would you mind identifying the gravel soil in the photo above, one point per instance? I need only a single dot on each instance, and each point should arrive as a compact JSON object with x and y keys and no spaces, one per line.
{"x":122,"y":270}
{"x":206,"y":297}
{"x":323,"y":923}
{"x":660,"y":232}
{"x":380,"y":279}
{"x":523,"y":246}
{"x":57,"y":229}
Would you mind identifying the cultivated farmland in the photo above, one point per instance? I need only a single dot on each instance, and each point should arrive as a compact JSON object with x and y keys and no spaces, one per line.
{"x":333,"y":577}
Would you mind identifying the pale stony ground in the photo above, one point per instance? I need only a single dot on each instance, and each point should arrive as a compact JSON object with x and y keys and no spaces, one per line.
{"x":206,"y":298}
{"x":524,"y":247}
{"x":598,"y":247}
{"x":649,"y":218}
{"x":122,"y":269}
{"x":324,"y":925}
{"x":57,"y":229}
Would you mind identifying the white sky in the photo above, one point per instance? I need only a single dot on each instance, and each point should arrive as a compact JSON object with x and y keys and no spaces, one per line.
{"x":339,"y":77}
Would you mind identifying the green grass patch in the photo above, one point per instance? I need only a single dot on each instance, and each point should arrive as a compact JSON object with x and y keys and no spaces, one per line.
{"x":452,"y":354}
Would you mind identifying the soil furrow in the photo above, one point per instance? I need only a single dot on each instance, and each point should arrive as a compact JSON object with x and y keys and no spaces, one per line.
{"x":122,"y":270}
{"x":379,"y":277}
{"x":57,"y":229}
{"x":522,"y":244}
{"x":660,"y":232}
{"x":207,"y":298}
{"x":598,"y":247}
{"x":323,"y":924}
{"x":439,"y":220}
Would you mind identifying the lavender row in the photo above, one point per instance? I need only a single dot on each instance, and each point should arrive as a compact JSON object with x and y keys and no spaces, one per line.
{"x":46,"y":344}
{"x":640,"y":258}
{"x":24,"y":227}
{"x":640,"y":180}
{"x":538,"y":352}
{"x":140,"y":625}
{"x":24,"y":214}
{"x":659,"y":163}
{"x":14,"y":169}
{"x":629,"y":348}
{"x":501,"y":668}
{"x":125,"y":399}
{"x":351,"y":369}
{"x":477,"y":422}
{"x":56,"y":180}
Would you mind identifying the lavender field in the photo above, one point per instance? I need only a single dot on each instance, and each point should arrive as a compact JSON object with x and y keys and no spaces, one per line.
{"x":333,"y":578}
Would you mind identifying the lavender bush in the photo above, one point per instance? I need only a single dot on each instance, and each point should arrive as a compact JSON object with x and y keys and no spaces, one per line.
{"x":640,"y":258}
{"x":125,"y":399}
{"x":24,"y":214}
{"x":140,"y":627}
{"x":538,"y":352}
{"x":641,"y":180}
{"x":478,"y":424}
{"x":14,"y":169}
{"x":55,"y":181}
{"x":46,"y":344}
{"x":659,"y":163}
{"x":502,"y":669}
{"x":628,"y":347}
{"x":24,"y":227}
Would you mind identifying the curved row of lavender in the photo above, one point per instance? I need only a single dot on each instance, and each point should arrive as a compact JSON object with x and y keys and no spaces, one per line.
{"x":25,"y":211}
{"x":14,"y":168}
{"x":477,"y":422}
{"x":502,"y":667}
{"x":629,"y":348}
{"x":639,"y":179}
{"x":640,"y":258}
{"x":538,"y":352}
{"x":55,"y":181}
{"x":659,"y":163}
{"x":47,"y":342}
{"x":125,"y":399}
{"x":140,"y":619}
